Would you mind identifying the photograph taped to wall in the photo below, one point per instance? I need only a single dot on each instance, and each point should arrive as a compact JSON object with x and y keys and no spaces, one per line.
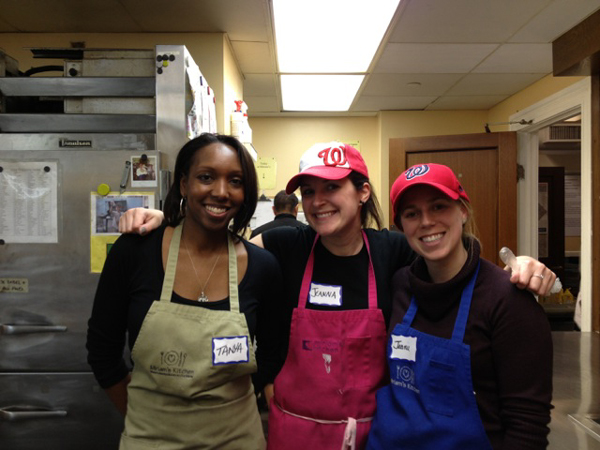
{"x":107,"y":210}
{"x":143,"y":171}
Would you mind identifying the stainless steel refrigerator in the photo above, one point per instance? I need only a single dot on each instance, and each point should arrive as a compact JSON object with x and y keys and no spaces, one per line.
{"x":62,"y":176}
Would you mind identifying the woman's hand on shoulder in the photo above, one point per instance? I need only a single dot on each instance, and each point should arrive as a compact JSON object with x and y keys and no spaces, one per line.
{"x":532,"y":275}
{"x":140,"y":220}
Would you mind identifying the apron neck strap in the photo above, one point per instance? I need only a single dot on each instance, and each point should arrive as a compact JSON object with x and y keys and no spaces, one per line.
{"x":169,"y":280}
{"x":308,"y":272}
{"x":234,"y":301}
{"x":460,"y":325}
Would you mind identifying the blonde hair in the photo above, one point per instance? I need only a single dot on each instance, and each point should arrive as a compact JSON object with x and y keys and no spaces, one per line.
{"x":470,"y":230}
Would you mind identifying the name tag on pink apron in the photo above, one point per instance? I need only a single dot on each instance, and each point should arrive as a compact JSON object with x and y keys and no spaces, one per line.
{"x":325,"y":294}
{"x":230,"y":350}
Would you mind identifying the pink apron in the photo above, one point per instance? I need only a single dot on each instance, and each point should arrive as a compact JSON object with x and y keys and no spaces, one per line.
{"x":325,"y":393}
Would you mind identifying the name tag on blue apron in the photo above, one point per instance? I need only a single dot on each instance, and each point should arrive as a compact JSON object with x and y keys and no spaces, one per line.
{"x":230,"y":350}
{"x":325,"y":294}
{"x":403,"y":347}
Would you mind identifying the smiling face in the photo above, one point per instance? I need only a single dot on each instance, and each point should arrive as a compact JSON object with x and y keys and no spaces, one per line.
{"x":213,"y":187}
{"x":332,"y":207}
{"x":433,"y":225}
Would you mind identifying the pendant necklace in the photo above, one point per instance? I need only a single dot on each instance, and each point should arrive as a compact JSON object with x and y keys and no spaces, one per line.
{"x":202,"y":297}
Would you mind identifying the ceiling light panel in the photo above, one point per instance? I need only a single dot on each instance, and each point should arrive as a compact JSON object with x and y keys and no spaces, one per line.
{"x":329,"y":36}
{"x":319,"y":92}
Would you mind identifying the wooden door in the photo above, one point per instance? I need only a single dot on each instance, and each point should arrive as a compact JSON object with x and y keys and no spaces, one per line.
{"x":486,"y":165}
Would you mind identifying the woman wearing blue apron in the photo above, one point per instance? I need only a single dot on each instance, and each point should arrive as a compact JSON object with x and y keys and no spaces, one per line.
{"x":470,"y":355}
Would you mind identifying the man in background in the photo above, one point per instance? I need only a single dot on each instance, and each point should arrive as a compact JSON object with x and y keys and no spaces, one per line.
{"x":285,"y":208}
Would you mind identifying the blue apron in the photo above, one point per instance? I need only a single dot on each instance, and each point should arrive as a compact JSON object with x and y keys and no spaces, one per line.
{"x":430,"y":403}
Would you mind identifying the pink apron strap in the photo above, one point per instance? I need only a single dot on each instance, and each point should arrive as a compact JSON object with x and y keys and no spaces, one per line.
{"x":308,"y":271}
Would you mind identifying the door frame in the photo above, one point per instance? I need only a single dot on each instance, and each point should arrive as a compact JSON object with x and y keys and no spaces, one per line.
{"x":577,"y":98}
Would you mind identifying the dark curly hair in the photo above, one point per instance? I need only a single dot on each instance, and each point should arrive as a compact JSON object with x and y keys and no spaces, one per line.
{"x":185,"y":159}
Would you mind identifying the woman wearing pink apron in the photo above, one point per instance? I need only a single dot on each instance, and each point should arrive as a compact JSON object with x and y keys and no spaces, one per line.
{"x":325,"y":393}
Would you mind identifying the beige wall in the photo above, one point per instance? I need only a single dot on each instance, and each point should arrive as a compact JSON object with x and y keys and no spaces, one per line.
{"x":233,"y":85}
{"x":530,"y":95}
{"x":286,"y":139}
{"x":211,"y":52}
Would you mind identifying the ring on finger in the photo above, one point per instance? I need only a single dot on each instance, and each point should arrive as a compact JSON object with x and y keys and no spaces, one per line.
{"x":539,"y":275}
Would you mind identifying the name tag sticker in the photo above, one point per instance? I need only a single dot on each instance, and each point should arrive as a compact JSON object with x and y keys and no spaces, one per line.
{"x":325,"y":294}
{"x":230,"y":350}
{"x":403,"y":347}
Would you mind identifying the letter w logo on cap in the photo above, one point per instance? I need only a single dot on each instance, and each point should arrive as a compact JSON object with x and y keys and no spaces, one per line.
{"x":333,"y":156}
{"x":417,"y":171}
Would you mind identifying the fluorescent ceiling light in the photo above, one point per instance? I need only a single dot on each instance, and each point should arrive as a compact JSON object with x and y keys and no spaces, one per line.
{"x":329,"y":36}
{"x":319,"y":92}
{"x":322,"y":37}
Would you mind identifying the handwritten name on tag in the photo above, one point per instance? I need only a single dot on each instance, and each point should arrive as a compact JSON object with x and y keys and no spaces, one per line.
{"x":403,"y":347}
{"x":230,"y":350}
{"x":324,"y":294}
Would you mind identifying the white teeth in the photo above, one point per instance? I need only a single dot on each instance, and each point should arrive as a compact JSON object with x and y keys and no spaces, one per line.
{"x":322,"y":215}
{"x":432,"y":238}
{"x":215,"y":209}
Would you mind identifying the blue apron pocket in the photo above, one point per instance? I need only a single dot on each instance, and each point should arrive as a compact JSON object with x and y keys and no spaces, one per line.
{"x":441,"y":383}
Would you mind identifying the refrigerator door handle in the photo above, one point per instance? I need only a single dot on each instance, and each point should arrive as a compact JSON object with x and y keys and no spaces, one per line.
{"x":24,"y":412}
{"x":24,"y":329}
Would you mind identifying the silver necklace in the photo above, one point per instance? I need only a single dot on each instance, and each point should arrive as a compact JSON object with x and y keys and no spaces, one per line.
{"x":202,"y":297}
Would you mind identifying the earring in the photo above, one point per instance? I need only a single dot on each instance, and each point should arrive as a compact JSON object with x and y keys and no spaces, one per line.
{"x":360,"y":202}
{"x":182,"y":206}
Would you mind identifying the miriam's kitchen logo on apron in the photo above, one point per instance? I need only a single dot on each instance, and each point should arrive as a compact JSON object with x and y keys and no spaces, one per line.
{"x":172,"y":365}
{"x":403,"y":354}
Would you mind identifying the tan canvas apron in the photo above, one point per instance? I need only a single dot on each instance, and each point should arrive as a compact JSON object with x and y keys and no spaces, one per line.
{"x":190,"y":386}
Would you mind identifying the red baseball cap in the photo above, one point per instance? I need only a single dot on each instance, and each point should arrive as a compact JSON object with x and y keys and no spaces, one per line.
{"x":436,"y":175}
{"x":331,"y":161}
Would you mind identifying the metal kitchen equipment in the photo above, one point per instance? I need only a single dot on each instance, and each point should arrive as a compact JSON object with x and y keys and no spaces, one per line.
{"x":109,"y":106}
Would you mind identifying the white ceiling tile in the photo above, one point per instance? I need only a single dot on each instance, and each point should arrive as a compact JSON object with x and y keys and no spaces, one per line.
{"x":367,"y":103}
{"x":464,"y":20}
{"x":518,"y":58}
{"x":254,"y":57}
{"x":493,"y":83}
{"x":261,"y":104}
{"x":260,"y":84}
{"x":464,"y":102}
{"x":417,"y":84}
{"x":432,"y":58}
{"x":556,"y":19}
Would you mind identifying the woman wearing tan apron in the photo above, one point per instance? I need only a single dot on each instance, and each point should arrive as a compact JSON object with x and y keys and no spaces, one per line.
{"x":191,"y":375}
{"x":190,"y":387}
